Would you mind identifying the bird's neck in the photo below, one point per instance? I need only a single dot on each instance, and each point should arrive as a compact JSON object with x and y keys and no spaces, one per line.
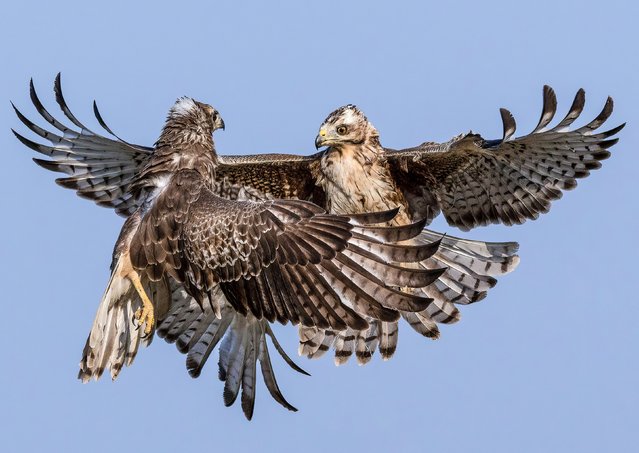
{"x":180,"y":134}
{"x":176,"y":150}
{"x":184,"y":145}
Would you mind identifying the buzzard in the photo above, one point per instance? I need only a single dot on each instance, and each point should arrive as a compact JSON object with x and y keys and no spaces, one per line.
{"x":472,"y":180}
{"x":245,"y":263}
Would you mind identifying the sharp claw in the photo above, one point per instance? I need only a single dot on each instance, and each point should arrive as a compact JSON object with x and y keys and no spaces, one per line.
{"x":144,"y":317}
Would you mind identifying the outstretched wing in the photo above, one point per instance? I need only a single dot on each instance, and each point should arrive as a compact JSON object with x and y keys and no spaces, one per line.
{"x":98,"y":168}
{"x":273,"y":175}
{"x":281,"y":260}
{"x":478,"y":182}
{"x":102,"y":168}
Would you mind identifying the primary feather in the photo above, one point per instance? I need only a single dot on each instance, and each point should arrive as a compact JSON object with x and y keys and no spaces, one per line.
{"x":472,"y":180}
{"x":218,"y":270}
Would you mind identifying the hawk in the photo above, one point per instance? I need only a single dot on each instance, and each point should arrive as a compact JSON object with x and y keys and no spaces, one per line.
{"x":472,"y":180}
{"x":245,"y":263}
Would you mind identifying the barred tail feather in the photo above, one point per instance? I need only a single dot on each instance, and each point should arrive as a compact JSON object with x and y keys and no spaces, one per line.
{"x":115,"y":338}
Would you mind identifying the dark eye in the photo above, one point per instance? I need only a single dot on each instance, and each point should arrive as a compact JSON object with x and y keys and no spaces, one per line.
{"x":342,"y":130}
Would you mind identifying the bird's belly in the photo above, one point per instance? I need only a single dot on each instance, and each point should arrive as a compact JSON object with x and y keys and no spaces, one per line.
{"x":354,"y":188}
{"x":364,"y":198}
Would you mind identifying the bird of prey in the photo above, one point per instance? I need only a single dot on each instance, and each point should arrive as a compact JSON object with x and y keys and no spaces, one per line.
{"x":245,"y":263}
{"x":472,"y":180}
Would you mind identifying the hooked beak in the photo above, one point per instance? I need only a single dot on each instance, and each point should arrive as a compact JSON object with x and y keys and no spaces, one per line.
{"x":320,"y":139}
{"x":220,"y":123}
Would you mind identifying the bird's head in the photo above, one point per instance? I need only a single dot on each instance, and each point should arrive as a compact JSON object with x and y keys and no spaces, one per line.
{"x":193,"y":115}
{"x":346,"y":125}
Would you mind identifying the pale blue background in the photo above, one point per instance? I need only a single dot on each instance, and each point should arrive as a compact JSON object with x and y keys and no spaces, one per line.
{"x":547,"y":363}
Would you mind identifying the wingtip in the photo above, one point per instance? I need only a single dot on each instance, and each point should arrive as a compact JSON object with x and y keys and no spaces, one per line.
{"x":549,"y":93}
{"x":610,"y":103}
{"x":439,"y":272}
{"x":248,"y":413}
{"x":508,"y":122}
{"x":46,"y":164}
{"x":580,"y":97}
{"x":57,"y":90}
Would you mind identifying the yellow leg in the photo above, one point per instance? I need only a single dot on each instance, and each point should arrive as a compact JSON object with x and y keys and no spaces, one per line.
{"x":146,"y":313}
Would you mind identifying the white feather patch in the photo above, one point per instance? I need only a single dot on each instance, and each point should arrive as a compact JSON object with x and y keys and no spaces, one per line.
{"x":183,"y":106}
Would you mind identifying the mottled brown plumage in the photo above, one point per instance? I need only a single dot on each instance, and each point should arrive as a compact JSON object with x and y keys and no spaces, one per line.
{"x":245,"y":263}
{"x":450,"y":176}
{"x":472,"y":180}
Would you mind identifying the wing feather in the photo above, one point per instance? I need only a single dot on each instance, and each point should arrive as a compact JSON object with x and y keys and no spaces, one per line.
{"x":478,"y":182}
{"x":100,"y":169}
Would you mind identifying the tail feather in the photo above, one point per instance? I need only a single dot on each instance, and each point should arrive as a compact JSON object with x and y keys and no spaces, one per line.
{"x":114,"y":338}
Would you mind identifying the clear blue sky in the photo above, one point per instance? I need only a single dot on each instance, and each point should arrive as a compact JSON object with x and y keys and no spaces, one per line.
{"x":548,"y":362}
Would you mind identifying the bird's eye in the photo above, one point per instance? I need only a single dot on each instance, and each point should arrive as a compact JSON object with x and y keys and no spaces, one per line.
{"x":342,"y":130}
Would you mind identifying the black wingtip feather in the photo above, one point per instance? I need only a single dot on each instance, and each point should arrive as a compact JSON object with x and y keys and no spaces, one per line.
{"x":601,"y":118}
{"x":29,"y":143}
{"x":602,"y":155}
{"x":548,"y":110}
{"x":509,"y":124}
{"x":59,"y":97}
{"x":607,"y":144}
{"x":98,"y":116}
{"x":229,"y":397}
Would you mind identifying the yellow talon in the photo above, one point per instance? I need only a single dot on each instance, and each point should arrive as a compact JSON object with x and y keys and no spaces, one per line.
{"x":146,"y":314}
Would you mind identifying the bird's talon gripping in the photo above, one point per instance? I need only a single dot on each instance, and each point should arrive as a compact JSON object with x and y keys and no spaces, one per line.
{"x":145,"y":316}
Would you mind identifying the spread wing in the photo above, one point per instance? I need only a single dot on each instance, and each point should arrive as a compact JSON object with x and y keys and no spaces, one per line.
{"x":102,"y":168}
{"x":281,"y":260}
{"x":478,"y":182}
{"x":98,"y":168}
{"x":273,"y":176}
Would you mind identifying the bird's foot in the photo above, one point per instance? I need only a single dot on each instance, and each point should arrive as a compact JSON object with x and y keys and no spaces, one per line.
{"x":145,"y":315}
